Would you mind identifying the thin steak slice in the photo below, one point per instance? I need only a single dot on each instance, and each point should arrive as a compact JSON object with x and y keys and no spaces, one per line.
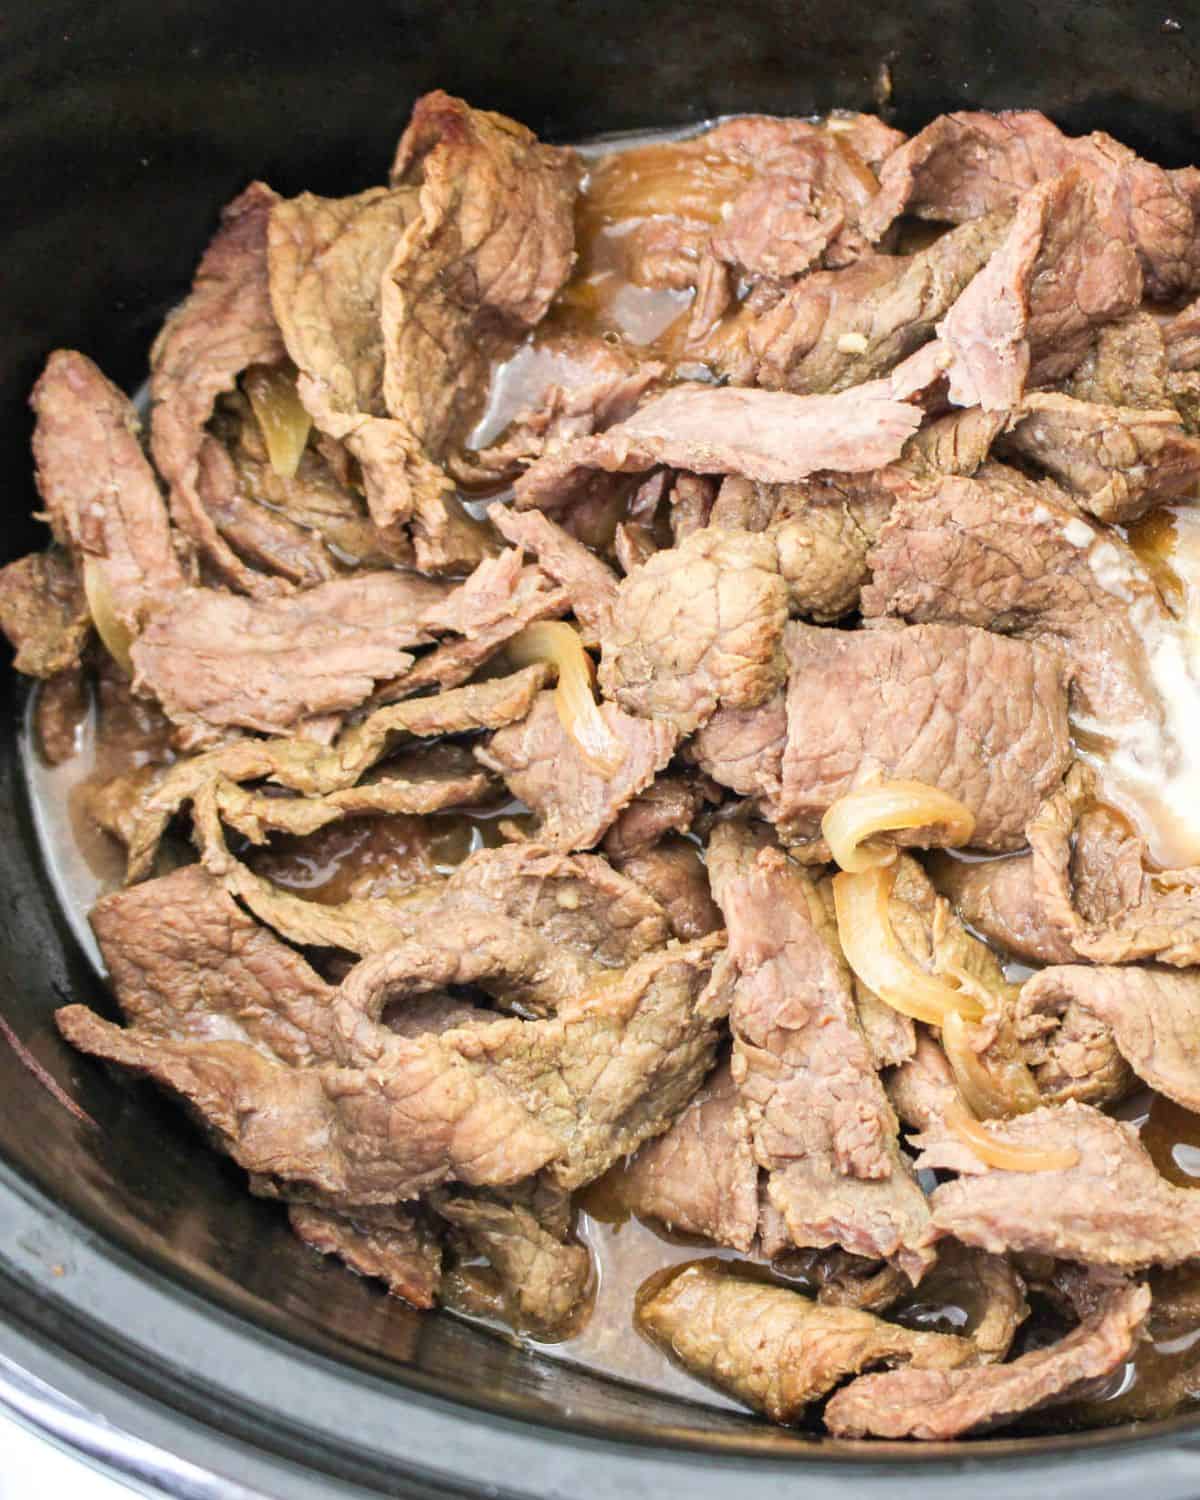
{"x":390,"y":1243}
{"x":44,"y":613}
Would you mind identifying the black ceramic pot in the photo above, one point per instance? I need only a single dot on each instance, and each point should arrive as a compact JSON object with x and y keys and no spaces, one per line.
{"x":151,"y":1312}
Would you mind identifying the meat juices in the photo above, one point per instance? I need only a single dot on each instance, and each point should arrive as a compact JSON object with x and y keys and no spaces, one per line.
{"x":464,"y":967}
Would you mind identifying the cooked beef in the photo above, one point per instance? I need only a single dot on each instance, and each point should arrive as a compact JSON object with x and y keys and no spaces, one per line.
{"x":388,"y":1242}
{"x":1030,"y":315}
{"x":212,"y":659}
{"x":1181,"y":337}
{"x":848,"y":1280}
{"x":992,"y":1291}
{"x":820,"y":1122}
{"x":743,"y":748}
{"x":700,"y":625}
{"x":701,"y":1176}
{"x":957,"y":443}
{"x":339,"y":1136}
{"x":668,"y":805}
{"x":188,"y":964}
{"x":690,"y":504}
{"x":224,"y":325}
{"x":101,"y":497}
{"x":768,"y":435}
{"x":940,"y":1404}
{"x":674,"y":873}
{"x":60,"y":712}
{"x":999,"y":899}
{"x":978,"y":716}
{"x":545,"y":768}
{"x":424,"y":1015}
{"x":774,"y":1349}
{"x":44,"y":613}
{"x":1119,"y":461}
{"x":1110,"y":1209}
{"x":1126,"y":366}
{"x":589,"y":583}
{"x":1151,"y":1014}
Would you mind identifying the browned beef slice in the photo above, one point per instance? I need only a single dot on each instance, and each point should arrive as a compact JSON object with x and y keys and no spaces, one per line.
{"x":941,"y":1404}
{"x":1110,"y":1209}
{"x":224,"y":325}
{"x":983,"y":718}
{"x":820,"y":1122}
{"x":1152,"y":1014}
{"x":590,"y":583}
{"x":1030,"y":316}
{"x":699,"y":625}
{"x":674,"y":874}
{"x":774,"y":1349}
{"x":60,"y":712}
{"x":990,"y":1289}
{"x":999,"y":899}
{"x":543,"y":1278}
{"x":1181,"y":336}
{"x":1126,"y":366}
{"x":957,"y":443}
{"x":1119,"y":461}
{"x":100,"y":493}
{"x":341,"y":1136}
{"x":44,"y":613}
{"x":544,"y":767}
{"x":267,"y":664}
{"x":701,"y":1176}
{"x":743,"y":748}
{"x":964,"y":165}
{"x":668,"y":805}
{"x":835,"y":329}
{"x":388,"y":1242}
{"x":768,"y":435}
{"x":187,"y":963}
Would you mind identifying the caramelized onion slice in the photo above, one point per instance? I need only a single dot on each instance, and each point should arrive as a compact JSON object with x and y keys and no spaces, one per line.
{"x":1007,"y":1158}
{"x":874,"y":952}
{"x":989,"y":1094}
{"x":557,"y":642}
{"x":884,"y":808}
{"x":282,"y":420}
{"x":117,"y":637}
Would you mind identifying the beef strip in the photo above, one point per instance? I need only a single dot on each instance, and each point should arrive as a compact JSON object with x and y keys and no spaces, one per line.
{"x":1126,"y":366}
{"x":820,"y":1122}
{"x":967,"y":164}
{"x":674,"y":873}
{"x":768,"y":435}
{"x":389,"y":1242}
{"x":1151,"y":1014}
{"x":941,"y":1404}
{"x":957,"y":443}
{"x":589,"y":582}
{"x":743,"y":749}
{"x":1030,"y":315}
{"x":668,"y":805}
{"x":701,"y":1176}
{"x":225,"y":324}
{"x":992,"y":1291}
{"x":774,"y":1349}
{"x":999,"y":899}
{"x":699,"y":625}
{"x":1110,"y":1209}
{"x":544,"y":767}
{"x":978,"y":716}
{"x":101,"y":497}
{"x":212,"y":659}
{"x":44,"y":613}
{"x":60,"y":712}
{"x":1119,"y":461}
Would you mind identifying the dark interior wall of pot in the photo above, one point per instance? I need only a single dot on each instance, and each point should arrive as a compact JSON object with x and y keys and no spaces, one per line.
{"x":125,"y":126}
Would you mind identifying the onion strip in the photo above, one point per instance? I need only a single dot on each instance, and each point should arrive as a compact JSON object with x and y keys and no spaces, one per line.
{"x":556,"y":642}
{"x":874,"y":952}
{"x":988,"y":1096}
{"x":282,"y":419}
{"x":1005,"y":1157}
{"x":886,"y":807}
{"x":116,"y":636}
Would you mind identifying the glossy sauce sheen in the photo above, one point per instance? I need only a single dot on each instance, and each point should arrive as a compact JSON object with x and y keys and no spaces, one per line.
{"x":365,"y":856}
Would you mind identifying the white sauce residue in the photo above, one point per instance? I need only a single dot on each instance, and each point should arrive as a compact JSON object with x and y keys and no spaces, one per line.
{"x":1077,"y":532}
{"x":1111,"y":569}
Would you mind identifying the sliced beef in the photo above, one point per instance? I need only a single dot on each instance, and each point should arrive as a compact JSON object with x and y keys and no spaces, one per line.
{"x":101,"y":497}
{"x":957,"y":443}
{"x":338,"y":1136}
{"x":60,"y":712}
{"x":1151,"y":1014}
{"x":999,"y":899}
{"x":991,"y":1290}
{"x":1110,"y":1209}
{"x":820,"y":1122}
{"x":938,"y":1404}
{"x":675,"y":875}
{"x":964,"y":710}
{"x":774,"y":1349}
{"x":743,"y":749}
{"x":767,"y":435}
{"x":1030,"y":315}
{"x":1119,"y":461}
{"x":699,"y":625}
{"x":668,"y":805}
{"x":44,"y":613}
{"x":589,"y":583}
{"x":1181,"y":337}
{"x":1126,"y":366}
{"x":545,"y":768}
{"x":225,"y":325}
{"x":701,"y":1176}
{"x":212,"y":659}
{"x":389,"y":1242}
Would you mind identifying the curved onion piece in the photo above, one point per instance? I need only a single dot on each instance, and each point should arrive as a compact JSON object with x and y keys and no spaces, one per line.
{"x":873,"y":951}
{"x":988,"y":1094}
{"x":884,"y":808}
{"x":1006,"y":1158}
{"x":117,"y":637}
{"x":558,"y":643}
{"x":282,"y":420}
